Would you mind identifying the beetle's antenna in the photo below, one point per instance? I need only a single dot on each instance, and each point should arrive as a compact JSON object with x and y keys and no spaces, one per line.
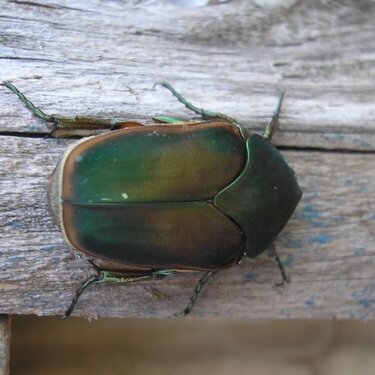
{"x":195,"y":295}
{"x":274,"y":123}
{"x":35,"y":110}
{"x":200,"y":111}
{"x":84,"y":285}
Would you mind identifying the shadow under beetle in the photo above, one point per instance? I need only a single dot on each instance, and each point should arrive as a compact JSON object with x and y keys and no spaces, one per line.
{"x":145,"y":202}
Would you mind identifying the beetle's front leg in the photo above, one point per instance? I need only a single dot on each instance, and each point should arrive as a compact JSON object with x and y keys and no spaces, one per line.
{"x":273,"y":254}
{"x":274,"y":123}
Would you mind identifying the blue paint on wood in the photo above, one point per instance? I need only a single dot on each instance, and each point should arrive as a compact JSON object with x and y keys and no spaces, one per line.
{"x":294,"y":243}
{"x":365,"y":298}
{"x":49,"y":248}
{"x":339,"y":137}
{"x":318,"y":224}
{"x":322,"y":239}
{"x":16,"y":226}
{"x":310,"y":303}
{"x":35,"y":127}
{"x":336,"y":219}
{"x":366,"y":303}
{"x":361,"y":189}
{"x":363,"y":143}
{"x":286,"y":241}
{"x":11,"y":261}
{"x":288,"y":261}
{"x":359,"y":251}
{"x":15,"y":258}
{"x":309,"y":212}
{"x":249,"y":276}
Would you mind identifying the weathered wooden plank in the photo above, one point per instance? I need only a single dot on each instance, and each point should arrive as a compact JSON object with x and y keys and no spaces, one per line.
{"x":328,"y":248}
{"x":4,"y":344}
{"x":229,"y":57}
{"x":102,"y":58}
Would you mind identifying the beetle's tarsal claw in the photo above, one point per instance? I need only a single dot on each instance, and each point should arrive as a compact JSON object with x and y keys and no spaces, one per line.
{"x":64,"y":316}
{"x":285,"y":279}
{"x":282,"y":283}
{"x":181,"y":314}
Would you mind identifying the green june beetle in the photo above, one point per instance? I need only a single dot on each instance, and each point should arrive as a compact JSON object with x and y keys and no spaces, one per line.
{"x":145,"y":202}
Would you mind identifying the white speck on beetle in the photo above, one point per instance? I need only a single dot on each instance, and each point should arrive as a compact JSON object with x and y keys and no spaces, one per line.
{"x":105,"y":199}
{"x":125,"y":195}
{"x":78,"y":158}
{"x":275,"y":187}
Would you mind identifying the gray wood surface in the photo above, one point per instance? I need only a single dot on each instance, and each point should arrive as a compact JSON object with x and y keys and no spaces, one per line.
{"x":4,"y":344}
{"x":101,"y":58}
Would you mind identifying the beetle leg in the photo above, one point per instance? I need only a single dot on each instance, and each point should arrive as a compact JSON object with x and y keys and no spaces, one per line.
{"x":79,"y":291}
{"x":168,"y":120}
{"x":113,"y":277}
{"x":101,"y":277}
{"x":195,"y":295}
{"x":200,"y":111}
{"x":274,"y":123}
{"x":79,"y":126}
{"x":272,"y":253}
{"x":175,"y":121}
{"x":72,"y":126}
{"x":35,"y":110}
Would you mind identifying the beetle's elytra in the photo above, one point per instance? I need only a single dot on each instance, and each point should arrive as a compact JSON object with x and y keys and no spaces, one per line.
{"x":148,"y":201}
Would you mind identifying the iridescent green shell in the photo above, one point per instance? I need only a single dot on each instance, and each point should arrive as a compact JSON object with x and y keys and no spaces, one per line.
{"x":188,"y":197}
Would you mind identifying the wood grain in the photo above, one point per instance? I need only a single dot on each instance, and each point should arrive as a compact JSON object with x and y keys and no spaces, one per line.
{"x":101,"y":58}
{"x":4,"y":344}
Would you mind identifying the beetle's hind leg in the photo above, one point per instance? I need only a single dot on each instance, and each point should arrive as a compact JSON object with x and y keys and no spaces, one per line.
{"x":113,"y":277}
{"x":29,"y":104}
{"x":72,"y":126}
{"x":199,"y":111}
{"x":195,"y":295}
{"x":273,"y":254}
{"x":79,"y":291}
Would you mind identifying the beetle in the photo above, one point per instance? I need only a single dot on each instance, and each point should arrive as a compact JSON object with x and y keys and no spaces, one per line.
{"x":145,"y":202}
